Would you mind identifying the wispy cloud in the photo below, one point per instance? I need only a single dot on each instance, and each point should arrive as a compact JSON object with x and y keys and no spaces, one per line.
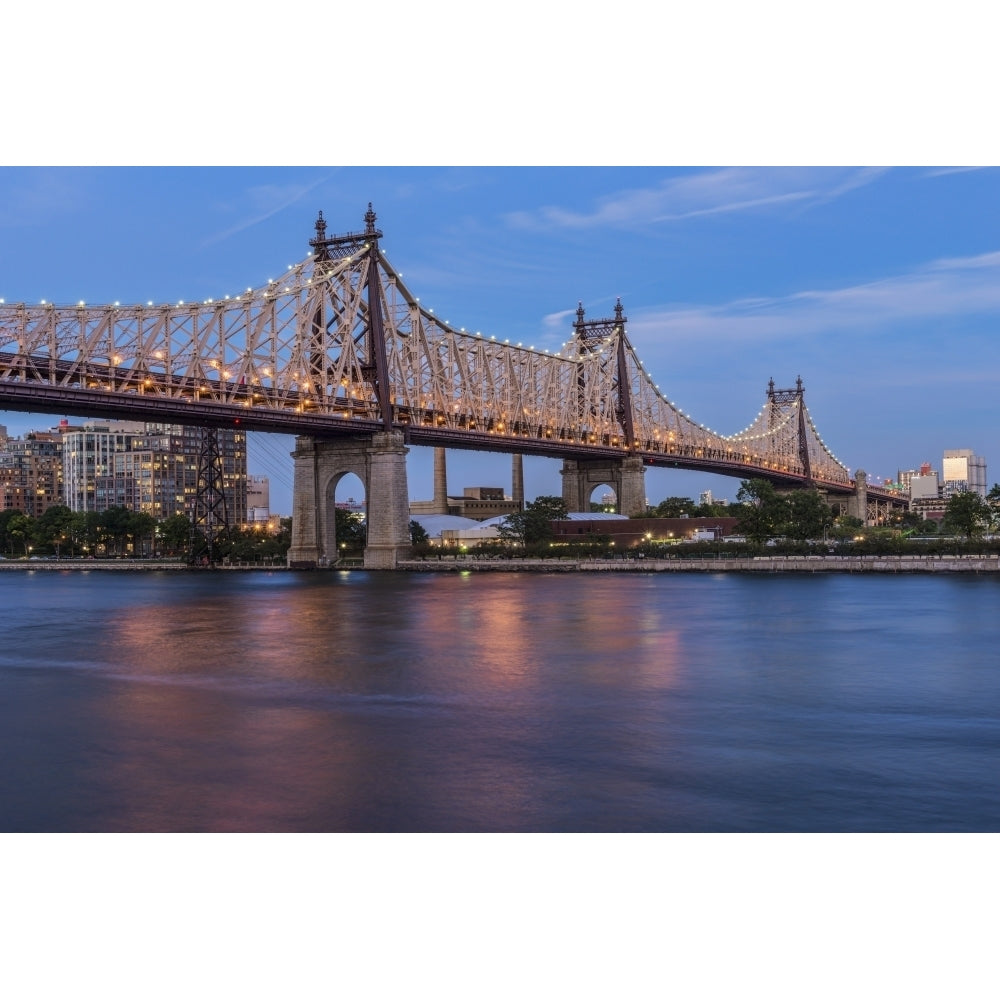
{"x":947,"y":288}
{"x":945,"y":171}
{"x":264,"y":201}
{"x":710,"y":192}
{"x":32,"y":197}
{"x":559,"y":321}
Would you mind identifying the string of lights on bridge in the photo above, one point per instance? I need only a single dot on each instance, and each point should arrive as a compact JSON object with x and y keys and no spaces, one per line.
{"x":603,"y":346}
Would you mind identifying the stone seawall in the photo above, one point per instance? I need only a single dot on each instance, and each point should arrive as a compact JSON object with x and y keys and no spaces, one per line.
{"x":116,"y":566}
{"x":755,"y":564}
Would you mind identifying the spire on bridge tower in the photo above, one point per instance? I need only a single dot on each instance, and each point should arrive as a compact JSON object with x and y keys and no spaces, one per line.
{"x":320,"y":243}
{"x":347,"y":245}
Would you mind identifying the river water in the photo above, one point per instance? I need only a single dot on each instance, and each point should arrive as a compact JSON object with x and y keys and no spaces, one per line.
{"x":356,"y":701}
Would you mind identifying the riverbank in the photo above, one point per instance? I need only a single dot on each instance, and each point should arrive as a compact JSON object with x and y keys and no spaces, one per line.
{"x":752,"y":564}
{"x":117,"y":565}
{"x":453,"y":564}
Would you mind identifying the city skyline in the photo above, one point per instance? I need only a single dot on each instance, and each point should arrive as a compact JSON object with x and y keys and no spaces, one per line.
{"x":878,"y":287}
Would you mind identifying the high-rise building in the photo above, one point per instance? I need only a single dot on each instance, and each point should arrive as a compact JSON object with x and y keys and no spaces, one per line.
{"x":151,"y":468}
{"x":89,"y":479}
{"x":31,"y":472}
{"x":964,"y":471}
{"x":258,"y":500}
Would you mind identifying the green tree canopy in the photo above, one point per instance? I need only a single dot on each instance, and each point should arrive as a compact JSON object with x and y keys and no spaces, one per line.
{"x":967,"y":514}
{"x":21,"y":530}
{"x":809,"y":515}
{"x":761,"y":512}
{"x":175,"y":534}
{"x":350,"y":529}
{"x":673,"y":507}
{"x":54,"y":529}
{"x":534,"y":523}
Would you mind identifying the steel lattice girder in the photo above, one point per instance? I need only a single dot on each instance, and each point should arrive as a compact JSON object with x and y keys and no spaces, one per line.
{"x":301,"y":345}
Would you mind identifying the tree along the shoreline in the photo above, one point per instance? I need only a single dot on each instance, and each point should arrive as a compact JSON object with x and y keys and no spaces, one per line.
{"x":119,"y":532}
{"x":533,"y":525}
{"x":763,"y":513}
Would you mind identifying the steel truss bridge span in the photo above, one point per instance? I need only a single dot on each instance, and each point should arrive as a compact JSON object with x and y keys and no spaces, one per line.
{"x":340,"y":346}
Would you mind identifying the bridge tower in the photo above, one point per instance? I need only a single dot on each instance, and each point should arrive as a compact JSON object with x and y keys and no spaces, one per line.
{"x":777,"y":402}
{"x":378,"y":459}
{"x":627,"y":475}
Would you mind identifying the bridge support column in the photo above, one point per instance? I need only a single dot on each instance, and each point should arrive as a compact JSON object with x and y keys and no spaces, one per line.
{"x":857,"y":505}
{"x":305,"y":551}
{"x":626,"y":476}
{"x":632,"y":489}
{"x":388,"y":502}
{"x":379,"y":461}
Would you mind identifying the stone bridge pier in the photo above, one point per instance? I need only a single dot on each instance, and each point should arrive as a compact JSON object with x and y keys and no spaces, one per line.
{"x":626,"y":476}
{"x":379,"y":461}
{"x":857,"y":504}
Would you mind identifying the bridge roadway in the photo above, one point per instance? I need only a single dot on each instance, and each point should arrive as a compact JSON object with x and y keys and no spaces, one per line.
{"x":112,"y":393}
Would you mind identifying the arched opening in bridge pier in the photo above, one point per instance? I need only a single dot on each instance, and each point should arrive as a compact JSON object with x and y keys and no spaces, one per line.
{"x":603,"y":499}
{"x":345,"y":518}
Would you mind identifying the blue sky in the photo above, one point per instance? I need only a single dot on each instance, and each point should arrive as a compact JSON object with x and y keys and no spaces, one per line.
{"x":879,"y":287}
